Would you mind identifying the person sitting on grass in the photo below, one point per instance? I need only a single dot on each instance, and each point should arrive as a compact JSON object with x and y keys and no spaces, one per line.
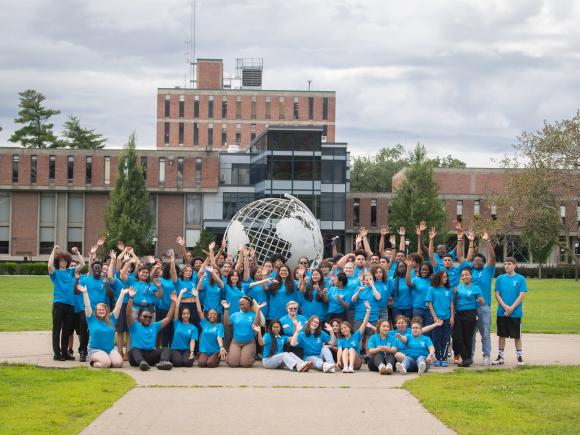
{"x":419,"y":351}
{"x":102,"y":352}
{"x":143,"y":353}
{"x":211,"y":344}
{"x":273,"y":356}
{"x":382,"y":348}
{"x":348,"y":356}
{"x":184,"y":335}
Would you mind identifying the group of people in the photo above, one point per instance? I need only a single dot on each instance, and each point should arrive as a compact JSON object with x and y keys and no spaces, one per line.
{"x":392,"y":311}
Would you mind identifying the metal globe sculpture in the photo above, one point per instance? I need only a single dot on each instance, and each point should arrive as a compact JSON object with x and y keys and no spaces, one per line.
{"x":271,"y":226}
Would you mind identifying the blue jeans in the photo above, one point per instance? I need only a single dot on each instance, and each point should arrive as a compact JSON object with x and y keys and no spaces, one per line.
{"x":412,"y":364}
{"x":483,"y":326}
{"x":325,"y":356}
{"x":425,"y":315}
{"x":440,"y":337}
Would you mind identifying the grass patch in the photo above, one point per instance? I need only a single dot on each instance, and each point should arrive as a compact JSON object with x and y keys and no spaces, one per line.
{"x":56,"y":401}
{"x":551,"y":305}
{"x":532,"y":399}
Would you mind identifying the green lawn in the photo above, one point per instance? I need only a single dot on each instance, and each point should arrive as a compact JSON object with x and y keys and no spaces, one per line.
{"x":551,"y":306}
{"x":523,"y":400}
{"x":36,"y":400}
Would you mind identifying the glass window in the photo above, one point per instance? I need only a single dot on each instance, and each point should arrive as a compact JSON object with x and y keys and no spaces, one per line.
{"x":193,"y":209}
{"x":33,"y":168}
{"x":234,"y":201}
{"x":181,"y":133}
{"x":238,"y":133}
{"x":195,"y":133}
{"x":325,"y":108}
{"x":267,"y":107}
{"x":89,"y":170}
{"x":167,"y":105}
{"x":224,"y":106}
{"x":210,"y":107}
{"x":180,"y":170}
{"x":191,"y":238}
{"x":310,"y":108}
{"x":303,"y":168}
{"x":296,"y":108}
{"x":107,"y":170}
{"x":240,"y":173}
{"x":333,"y":171}
{"x":281,"y":108}
{"x":144,"y":166}
{"x":74,"y":237}
{"x":75,"y":220}
{"x":312,"y":202}
{"x":563,"y":211}
{"x":166,"y":133}
{"x":224,"y":134}
{"x":198,"y":169}
{"x":373,"y":212}
{"x":47,"y":222}
{"x":476,"y":207}
{"x":161,"y":170}
{"x":181,"y":106}
{"x":332,"y":206}
{"x":210,"y":135}
{"x":238,"y":107}
{"x":15,"y":160}
{"x":459,"y":207}
{"x":75,"y":209}
{"x":70,"y":169}
{"x":51,"y":167}
{"x":356,"y":211}
{"x":253,"y":108}
{"x":281,"y":168}
{"x":5,"y":222}
{"x":196,"y":106}
{"x":252,"y":131}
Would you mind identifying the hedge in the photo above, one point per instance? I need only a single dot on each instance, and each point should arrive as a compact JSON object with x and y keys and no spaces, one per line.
{"x":38,"y":268}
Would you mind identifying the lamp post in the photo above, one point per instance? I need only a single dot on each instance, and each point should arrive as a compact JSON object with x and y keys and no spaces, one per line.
{"x":407,"y":243}
{"x":154,"y":240}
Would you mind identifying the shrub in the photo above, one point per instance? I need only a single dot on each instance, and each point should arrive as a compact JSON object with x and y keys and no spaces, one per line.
{"x":32,"y":268}
{"x":8,"y":268}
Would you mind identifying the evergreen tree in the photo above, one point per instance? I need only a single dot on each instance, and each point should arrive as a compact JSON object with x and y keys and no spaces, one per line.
{"x":128,"y":216}
{"x":37,"y":131}
{"x":416,"y":199}
{"x":205,"y":238}
{"x":81,"y":138}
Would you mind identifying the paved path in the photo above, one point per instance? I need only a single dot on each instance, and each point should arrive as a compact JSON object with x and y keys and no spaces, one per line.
{"x":259,"y":401}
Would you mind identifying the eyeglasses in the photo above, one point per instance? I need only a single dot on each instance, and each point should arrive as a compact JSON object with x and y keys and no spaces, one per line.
{"x":293,"y":308}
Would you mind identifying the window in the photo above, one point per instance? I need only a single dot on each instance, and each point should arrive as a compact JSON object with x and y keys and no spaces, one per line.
{"x":167,"y":105}
{"x":5,"y":222}
{"x":196,"y":106}
{"x":33,"y":168}
{"x":224,"y":106}
{"x":107,"y":170}
{"x":493,"y":211}
{"x":332,"y":206}
{"x":324,"y":132}
{"x":311,"y":108}
{"x":210,"y":107}
{"x":304,"y":168}
{"x":459,"y":210}
{"x":192,"y":209}
{"x":356,"y":212}
{"x":238,"y":107}
{"x":333,"y":171}
{"x":181,"y":127}
{"x":253,"y":108}
{"x":295,"y":108}
{"x":578,"y":212}
{"x":252,"y":131}
{"x":234,"y":201}
{"x":198,"y":168}
{"x":325,"y":108}
{"x":181,"y":106}
{"x":281,"y":108}
{"x":210,"y":135}
{"x":476,"y":207}
{"x":15,"y":160}
{"x":238,"y":133}
{"x":75,"y":219}
{"x":224,"y":134}
{"x":161,"y":170}
{"x":89,"y":170}
{"x":195,"y":133}
{"x":563,"y":213}
{"x":70,"y":169}
{"x":267,"y":107}
{"x":373,"y":212}
{"x":166,"y":133}
{"x":312,"y":202}
{"x":281,"y":168}
{"x":180,"y":170}
{"x":144,"y":166}
{"x":47,"y":223}
{"x":191,"y":238}
{"x":240,"y":173}
{"x":51,"y":168}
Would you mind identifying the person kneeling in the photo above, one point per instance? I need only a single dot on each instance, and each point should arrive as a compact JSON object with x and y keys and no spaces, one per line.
{"x":273,"y":356}
{"x":143,"y":353}
{"x":419,"y":351}
{"x":245,"y":324}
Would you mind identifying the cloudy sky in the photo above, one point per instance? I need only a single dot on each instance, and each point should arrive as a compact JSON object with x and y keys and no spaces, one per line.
{"x":462,"y":77}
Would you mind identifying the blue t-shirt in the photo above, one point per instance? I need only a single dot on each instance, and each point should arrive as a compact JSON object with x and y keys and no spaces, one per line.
{"x":117,"y":287}
{"x":392,"y":336}
{"x":101,"y":335}
{"x":280,"y":341}
{"x":467,"y":297}
{"x":188,"y":284}
{"x":258,"y":293}
{"x":353,"y":342}
{"x":242,"y":326}
{"x":288,"y":326}
{"x":417,"y":346}
{"x":419,"y":290}
{"x":314,"y":307}
{"x":79,"y":303}
{"x":441,"y":298}
{"x":233,"y":295}
{"x":334,"y":306}
{"x":279,"y":300}
{"x":353,"y":285}
{"x":359,"y":306}
{"x":482,"y":278}
{"x":402,"y":297}
{"x":63,"y":282}
{"x":509,"y":288}
{"x":208,"y":343}
{"x":211,"y":296}
{"x":312,"y":344}
{"x":454,"y":272}
{"x":144,"y":337}
{"x":96,"y":289}
{"x":183,"y":333}
{"x":145,"y":292}
{"x":168,"y":287}
{"x":376,"y":341}
{"x":383,"y":288}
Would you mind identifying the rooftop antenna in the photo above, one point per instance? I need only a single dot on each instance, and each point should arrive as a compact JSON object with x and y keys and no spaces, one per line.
{"x":309,"y":82}
{"x":191,"y":45}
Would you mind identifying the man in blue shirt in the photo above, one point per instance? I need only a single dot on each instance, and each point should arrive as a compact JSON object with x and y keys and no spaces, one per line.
{"x":510,"y":289}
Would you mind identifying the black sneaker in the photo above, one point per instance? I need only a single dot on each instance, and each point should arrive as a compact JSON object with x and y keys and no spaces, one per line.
{"x":59,"y":358}
{"x":520,"y":361}
{"x":165,"y":365}
{"x":466,"y":362}
{"x":258,"y":357}
{"x":82,"y":356}
{"x":144,"y":366}
{"x":68,"y":357}
{"x":498,"y":361}
{"x":71,"y":352}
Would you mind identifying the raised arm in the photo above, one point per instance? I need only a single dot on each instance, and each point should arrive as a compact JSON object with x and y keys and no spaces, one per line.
{"x":226,"y":312}
{"x":182,"y":249}
{"x":384,"y":232}
{"x":459,"y":253}
{"x":171,"y":311}
{"x":365,"y":321}
{"x":432,"y":235}
{"x":365,"y":241}
{"x":119,"y":303}
{"x":246,"y":254}
{"x":51,"y":259}
{"x":258,"y":332}
{"x":408,"y":273}
{"x":81,"y":264}
{"x":86,"y":299}
{"x":402,"y":239}
{"x":328,"y":329}
{"x":132,"y":293}
{"x":177,"y":303}
{"x":342,"y":262}
{"x":216,"y":277}
{"x":491,"y":260}
{"x":471,"y":249}
{"x":419,"y":231}
{"x":198,"y":303}
{"x":111,"y":269}
{"x":172,"y":270}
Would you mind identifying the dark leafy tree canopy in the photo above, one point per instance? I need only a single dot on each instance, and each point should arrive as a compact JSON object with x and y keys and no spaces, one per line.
{"x":81,"y":138}
{"x":205,"y":238}
{"x":36,"y":131}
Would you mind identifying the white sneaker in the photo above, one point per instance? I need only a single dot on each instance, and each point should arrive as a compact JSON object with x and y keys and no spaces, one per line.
{"x":326,"y":367}
{"x":304,"y":366}
{"x":401,"y":368}
{"x":485,"y":361}
{"x":332,"y":369}
{"x":350,"y":369}
{"x":382,"y":369}
{"x":422,"y":368}
{"x":389,"y":369}
{"x":345,"y":369}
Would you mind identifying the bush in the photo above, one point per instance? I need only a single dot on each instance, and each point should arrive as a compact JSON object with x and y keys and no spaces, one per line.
{"x":32,"y":269}
{"x":8,"y":268}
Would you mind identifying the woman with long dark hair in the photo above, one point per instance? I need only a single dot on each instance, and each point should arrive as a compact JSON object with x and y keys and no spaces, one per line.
{"x":273,"y":356}
{"x":400,"y":292}
{"x":185,"y":335}
{"x":440,"y":302}
{"x":313,"y":340}
{"x":419,"y":286}
{"x":282,"y":290}
{"x":315,"y":296}
{"x":211,"y":345}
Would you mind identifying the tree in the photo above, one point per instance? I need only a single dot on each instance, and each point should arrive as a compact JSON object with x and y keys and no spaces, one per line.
{"x":37,"y":131}
{"x":81,"y":138}
{"x":205,"y":238}
{"x":127,"y":216}
{"x":447,"y":162}
{"x":374,"y":174}
{"x":416,"y":199}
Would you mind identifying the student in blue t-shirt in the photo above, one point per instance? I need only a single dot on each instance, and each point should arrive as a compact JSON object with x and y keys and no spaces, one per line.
{"x":349,"y":345}
{"x":382,"y":348}
{"x":211,"y":345}
{"x":400,"y":292}
{"x":419,"y":351}
{"x":381,"y":284}
{"x":339,"y":297}
{"x":467,"y":298}
{"x":313,"y":340}
{"x":273,"y":356}
{"x":211,"y":290}
{"x":419,"y":286}
{"x":184,"y":336}
{"x":282,"y":290}
{"x":291,"y":318}
{"x":314,"y":296}
{"x":245,"y":323}
{"x":144,"y":333}
{"x":510,"y":289}
{"x":453,"y":271}
{"x":101,"y":349}
{"x":63,"y":281}
{"x":440,"y":302}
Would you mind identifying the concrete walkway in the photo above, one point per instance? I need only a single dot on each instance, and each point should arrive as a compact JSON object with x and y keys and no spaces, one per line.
{"x":261,"y":401}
